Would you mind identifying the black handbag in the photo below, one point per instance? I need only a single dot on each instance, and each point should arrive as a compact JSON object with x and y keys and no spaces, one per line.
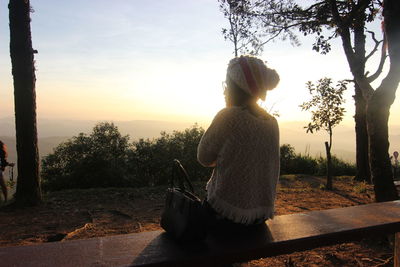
{"x":183,"y":216}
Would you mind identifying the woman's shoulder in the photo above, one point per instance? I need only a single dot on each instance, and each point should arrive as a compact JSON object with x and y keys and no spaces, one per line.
{"x":228,"y":116}
{"x":242,"y":113}
{"x":232,"y":111}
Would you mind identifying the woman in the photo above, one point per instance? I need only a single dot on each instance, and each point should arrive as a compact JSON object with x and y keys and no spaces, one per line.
{"x":242,"y":144}
{"x":3,"y":165}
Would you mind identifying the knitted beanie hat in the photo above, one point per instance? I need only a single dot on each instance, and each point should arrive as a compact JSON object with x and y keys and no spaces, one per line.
{"x":252,"y":75}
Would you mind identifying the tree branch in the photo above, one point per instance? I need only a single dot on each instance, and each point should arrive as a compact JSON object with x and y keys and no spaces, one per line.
{"x":388,"y":87}
{"x":361,"y":5}
{"x":344,"y":32}
{"x":268,"y":40}
{"x":377,"y":43}
{"x":382,"y":61}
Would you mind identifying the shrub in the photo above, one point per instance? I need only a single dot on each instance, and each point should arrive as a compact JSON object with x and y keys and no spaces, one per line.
{"x":151,"y":160}
{"x":303,"y":165}
{"x":292,"y":163}
{"x":106,"y":159}
{"x":84,"y":161}
{"x":339,"y":167}
{"x":286,"y":156}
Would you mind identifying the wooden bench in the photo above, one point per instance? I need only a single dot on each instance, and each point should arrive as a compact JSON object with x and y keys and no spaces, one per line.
{"x":282,"y":235}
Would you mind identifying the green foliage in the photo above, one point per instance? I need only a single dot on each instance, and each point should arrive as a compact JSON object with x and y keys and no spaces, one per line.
{"x":287,"y":155}
{"x":151,"y":160}
{"x":285,"y":19}
{"x":84,"y":161}
{"x":303,"y":164}
{"x":327,"y":112}
{"x":292,"y":163}
{"x":106,"y":159}
{"x":339,"y":167}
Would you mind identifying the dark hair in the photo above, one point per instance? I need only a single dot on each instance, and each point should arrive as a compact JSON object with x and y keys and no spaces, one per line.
{"x":240,"y":98}
{"x":237,"y":95}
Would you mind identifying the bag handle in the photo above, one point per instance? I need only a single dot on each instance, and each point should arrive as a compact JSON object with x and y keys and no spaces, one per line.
{"x":178,"y":165}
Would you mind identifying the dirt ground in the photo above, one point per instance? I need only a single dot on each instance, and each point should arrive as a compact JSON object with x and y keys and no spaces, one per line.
{"x":78,"y":214}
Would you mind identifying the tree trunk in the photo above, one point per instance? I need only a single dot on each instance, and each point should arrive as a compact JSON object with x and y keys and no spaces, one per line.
{"x":381,"y":168}
{"x":378,"y":107}
{"x":23,"y":70}
{"x":328,"y":167}
{"x":362,"y":154}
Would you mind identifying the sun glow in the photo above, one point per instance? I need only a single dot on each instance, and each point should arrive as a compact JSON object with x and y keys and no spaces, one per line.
{"x":159,"y":64}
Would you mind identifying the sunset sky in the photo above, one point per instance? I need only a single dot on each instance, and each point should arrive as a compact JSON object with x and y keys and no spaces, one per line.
{"x":157,"y":60}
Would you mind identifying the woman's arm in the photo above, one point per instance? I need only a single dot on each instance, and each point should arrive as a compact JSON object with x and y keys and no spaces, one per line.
{"x":213,"y":139}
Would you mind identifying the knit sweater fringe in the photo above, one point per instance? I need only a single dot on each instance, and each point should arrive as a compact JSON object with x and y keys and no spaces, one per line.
{"x":240,"y":215}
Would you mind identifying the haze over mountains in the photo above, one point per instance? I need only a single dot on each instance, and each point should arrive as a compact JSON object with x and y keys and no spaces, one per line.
{"x":53,"y":132}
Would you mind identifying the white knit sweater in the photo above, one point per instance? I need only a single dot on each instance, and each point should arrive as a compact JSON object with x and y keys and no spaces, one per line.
{"x":244,"y":149}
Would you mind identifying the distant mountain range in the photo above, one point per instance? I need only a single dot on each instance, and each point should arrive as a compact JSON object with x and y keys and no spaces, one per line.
{"x":53,"y":132}
{"x":68,"y":128}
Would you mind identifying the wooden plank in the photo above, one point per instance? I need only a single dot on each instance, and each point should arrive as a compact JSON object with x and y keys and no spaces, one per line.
{"x":284,"y":234}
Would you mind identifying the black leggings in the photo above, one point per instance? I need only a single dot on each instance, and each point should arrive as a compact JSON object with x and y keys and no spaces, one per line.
{"x":217,"y":225}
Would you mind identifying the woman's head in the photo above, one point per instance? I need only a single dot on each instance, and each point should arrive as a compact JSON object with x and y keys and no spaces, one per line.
{"x":248,"y":79}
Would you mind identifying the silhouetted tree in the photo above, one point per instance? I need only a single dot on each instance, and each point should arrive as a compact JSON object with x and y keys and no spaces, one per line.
{"x":327,"y":112}
{"x":23,"y":71}
{"x":348,"y":20}
{"x":239,"y":32}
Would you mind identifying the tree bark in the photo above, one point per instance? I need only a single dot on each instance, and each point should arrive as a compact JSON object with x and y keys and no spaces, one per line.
{"x":381,"y":169}
{"x":379,"y":100}
{"x":328,"y":167}
{"x":362,"y":158}
{"x":378,"y":107}
{"x":362,"y":146}
{"x":23,"y":71}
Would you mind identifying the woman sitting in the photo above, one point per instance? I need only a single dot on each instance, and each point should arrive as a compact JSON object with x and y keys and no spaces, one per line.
{"x":242,"y":144}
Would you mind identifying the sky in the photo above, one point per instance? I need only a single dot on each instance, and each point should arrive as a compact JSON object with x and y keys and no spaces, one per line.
{"x":152,"y":60}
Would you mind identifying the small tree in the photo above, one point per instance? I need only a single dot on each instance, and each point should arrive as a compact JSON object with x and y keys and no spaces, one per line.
{"x":327,"y":112}
{"x":239,"y":32}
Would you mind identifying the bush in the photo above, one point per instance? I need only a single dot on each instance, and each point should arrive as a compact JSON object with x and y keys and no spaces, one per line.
{"x":151,"y":160}
{"x":287,"y":155}
{"x":303,"y":165}
{"x":84,"y":161}
{"x":292,"y":163}
{"x":339,"y":167}
{"x":106,"y":159}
